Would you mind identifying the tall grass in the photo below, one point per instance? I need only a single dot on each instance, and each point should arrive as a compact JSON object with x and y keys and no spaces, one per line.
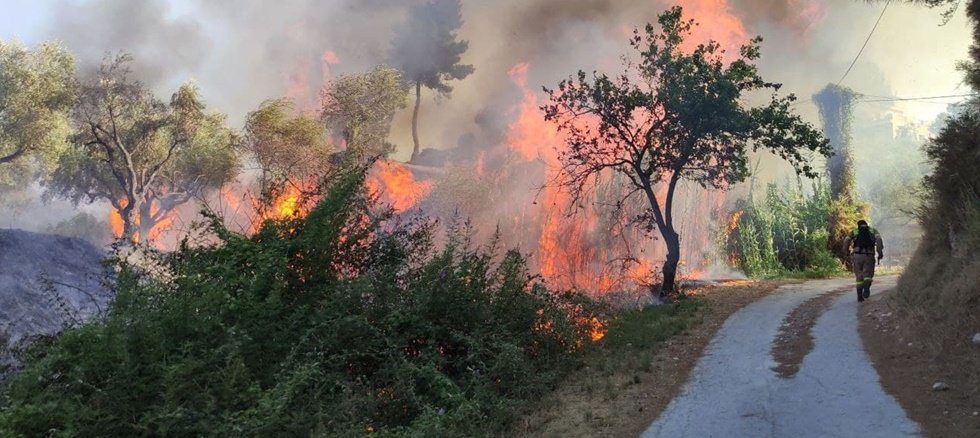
{"x":784,"y":234}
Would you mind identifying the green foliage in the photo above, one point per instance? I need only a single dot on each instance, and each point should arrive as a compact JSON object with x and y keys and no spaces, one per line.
{"x":135,"y":151}
{"x":37,"y":89}
{"x":286,"y":143}
{"x":644,"y":329}
{"x":836,"y":105}
{"x":786,"y":234}
{"x":425,"y":48}
{"x":346,"y":321}
{"x":82,"y":225}
{"x":675,"y":113}
{"x":360,"y":107}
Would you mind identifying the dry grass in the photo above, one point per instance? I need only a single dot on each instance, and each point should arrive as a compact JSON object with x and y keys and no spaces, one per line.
{"x":939,"y":296}
{"x":623,"y":388}
{"x":922,"y":332}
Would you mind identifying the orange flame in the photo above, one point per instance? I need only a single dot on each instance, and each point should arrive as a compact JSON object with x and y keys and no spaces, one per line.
{"x":717,"y":22}
{"x":396,"y":185}
{"x":598,"y":330}
{"x":164,"y":224}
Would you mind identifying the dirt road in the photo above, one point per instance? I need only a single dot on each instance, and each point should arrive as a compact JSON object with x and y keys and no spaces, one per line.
{"x":734,"y":391}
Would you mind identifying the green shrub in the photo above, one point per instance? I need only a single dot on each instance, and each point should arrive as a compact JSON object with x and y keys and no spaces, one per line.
{"x":343,"y":322}
{"x":785,"y":234}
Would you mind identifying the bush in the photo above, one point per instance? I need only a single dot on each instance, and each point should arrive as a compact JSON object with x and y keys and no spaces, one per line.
{"x":84,"y":226}
{"x":341,"y":323}
{"x":786,"y":234}
{"x":939,"y":292}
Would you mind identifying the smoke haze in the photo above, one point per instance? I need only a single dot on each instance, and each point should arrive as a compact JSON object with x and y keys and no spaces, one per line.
{"x":241,"y":52}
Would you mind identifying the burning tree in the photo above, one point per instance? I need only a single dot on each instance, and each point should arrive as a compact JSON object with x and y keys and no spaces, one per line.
{"x":37,"y":88}
{"x":285,"y":143}
{"x":676,"y":114}
{"x":427,"y":53}
{"x":143,"y":156}
{"x":360,"y":107}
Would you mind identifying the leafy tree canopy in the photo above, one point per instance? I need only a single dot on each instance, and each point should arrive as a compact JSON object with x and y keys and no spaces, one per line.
{"x":674,"y":114}
{"x":136,"y":151}
{"x":425,"y":48}
{"x":359,"y":109}
{"x":286,"y":143}
{"x":37,"y":88}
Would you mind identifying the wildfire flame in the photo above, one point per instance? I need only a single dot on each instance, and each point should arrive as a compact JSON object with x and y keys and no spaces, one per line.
{"x":164,"y":224}
{"x":397,"y":186}
{"x":598,"y":330}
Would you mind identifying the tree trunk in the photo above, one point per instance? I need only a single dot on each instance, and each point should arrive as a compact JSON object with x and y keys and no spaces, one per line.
{"x":415,"y":120}
{"x":131,"y":223}
{"x":146,"y":222}
{"x":673,"y":242}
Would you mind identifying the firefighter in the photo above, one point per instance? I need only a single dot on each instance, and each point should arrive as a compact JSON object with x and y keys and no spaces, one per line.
{"x":865,"y":240}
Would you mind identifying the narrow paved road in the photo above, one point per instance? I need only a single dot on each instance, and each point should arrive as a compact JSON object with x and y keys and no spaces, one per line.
{"x":734,"y":393}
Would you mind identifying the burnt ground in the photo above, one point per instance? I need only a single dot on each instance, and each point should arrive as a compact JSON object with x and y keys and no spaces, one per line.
{"x":47,"y":283}
{"x":625,"y":402}
{"x":908,"y":368}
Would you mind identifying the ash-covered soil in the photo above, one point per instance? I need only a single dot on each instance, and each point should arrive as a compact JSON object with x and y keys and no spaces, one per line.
{"x":47,"y":283}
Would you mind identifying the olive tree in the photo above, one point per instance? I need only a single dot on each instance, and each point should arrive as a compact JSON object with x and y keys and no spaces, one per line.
{"x":142,"y":155}
{"x":359,"y":109}
{"x":676,"y":113}
{"x":37,"y":88}
{"x":285,"y":143}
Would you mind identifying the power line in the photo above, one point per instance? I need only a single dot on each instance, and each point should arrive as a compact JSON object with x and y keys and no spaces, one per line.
{"x":862,"y":98}
{"x":922,"y":99}
{"x":865,"y":43}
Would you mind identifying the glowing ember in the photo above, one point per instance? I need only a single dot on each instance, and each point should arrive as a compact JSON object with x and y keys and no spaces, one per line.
{"x":598,"y":330}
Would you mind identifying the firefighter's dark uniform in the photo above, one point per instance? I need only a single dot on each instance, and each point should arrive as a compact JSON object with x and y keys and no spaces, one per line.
{"x":863,"y":260}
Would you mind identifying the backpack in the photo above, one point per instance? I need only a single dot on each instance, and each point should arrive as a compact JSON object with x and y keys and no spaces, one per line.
{"x":865,"y":240}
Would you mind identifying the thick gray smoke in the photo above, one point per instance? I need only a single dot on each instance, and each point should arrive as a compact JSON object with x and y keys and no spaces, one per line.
{"x":164,"y":46}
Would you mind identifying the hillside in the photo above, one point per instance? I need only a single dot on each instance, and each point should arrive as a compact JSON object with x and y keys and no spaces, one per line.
{"x":47,"y":282}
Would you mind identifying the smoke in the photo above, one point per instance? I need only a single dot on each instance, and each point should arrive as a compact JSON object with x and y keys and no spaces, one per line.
{"x":241,"y":52}
{"x":164,"y":47}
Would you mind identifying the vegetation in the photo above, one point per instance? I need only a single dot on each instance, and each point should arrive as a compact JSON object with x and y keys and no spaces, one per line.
{"x":84,"y":226}
{"x":681,"y":118}
{"x":359,"y":108}
{"x":784,"y":235}
{"x":286,"y":144}
{"x":342,"y":323}
{"x":427,"y":52}
{"x":939,"y":294}
{"x":37,"y":89}
{"x":141,"y":155}
{"x":836,"y":113}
